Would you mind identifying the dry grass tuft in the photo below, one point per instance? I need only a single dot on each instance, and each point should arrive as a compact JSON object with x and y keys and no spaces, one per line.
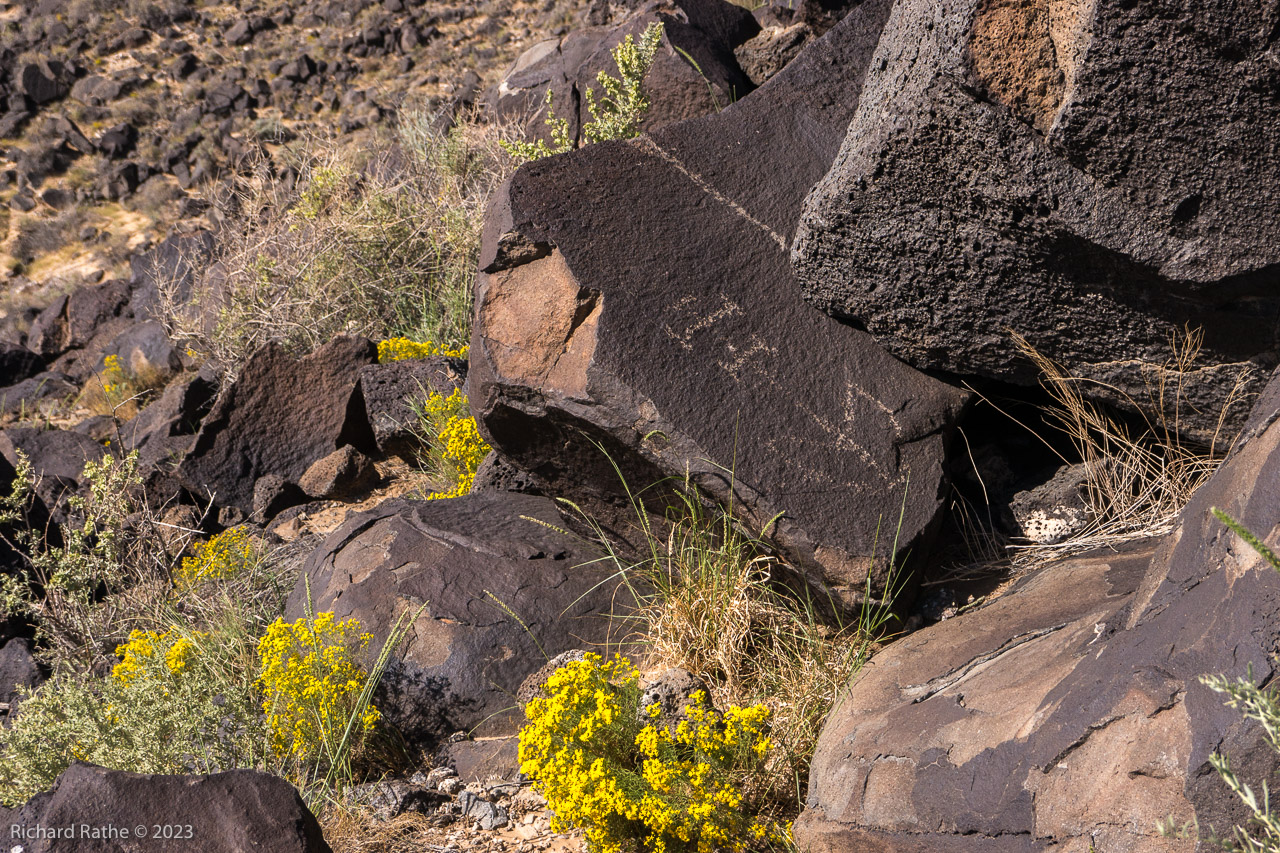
{"x":121,"y":392}
{"x":354,"y":830}
{"x":1136,"y":480}
{"x":720,"y":609}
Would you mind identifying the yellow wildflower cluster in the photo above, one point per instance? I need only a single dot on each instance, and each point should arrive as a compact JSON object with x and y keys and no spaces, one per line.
{"x":456,"y":446}
{"x":622,"y":776}
{"x":398,"y":349}
{"x":312,"y":683}
{"x":221,"y":557}
{"x":112,"y":377}
{"x":146,"y":651}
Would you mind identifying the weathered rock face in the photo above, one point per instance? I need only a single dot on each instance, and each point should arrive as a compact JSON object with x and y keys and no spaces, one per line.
{"x":1069,"y":712}
{"x":707,"y":30}
{"x":473,"y":561}
{"x":57,"y":460}
{"x":661,"y":320}
{"x":235,"y":811}
{"x":389,"y":389}
{"x":281,"y":415}
{"x":1093,"y":176}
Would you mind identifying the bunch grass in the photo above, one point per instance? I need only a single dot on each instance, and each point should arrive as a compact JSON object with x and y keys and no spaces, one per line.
{"x":714,"y":599}
{"x":383,"y":245}
{"x":1137,"y":479}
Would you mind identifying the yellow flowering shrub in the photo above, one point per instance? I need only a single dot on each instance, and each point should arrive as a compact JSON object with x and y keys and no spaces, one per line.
{"x":614,"y":770}
{"x":399,"y":349}
{"x":455,"y":446}
{"x":112,"y":377}
{"x":148,"y":653}
{"x":312,"y":680}
{"x":169,"y":705}
{"x":219,"y":558}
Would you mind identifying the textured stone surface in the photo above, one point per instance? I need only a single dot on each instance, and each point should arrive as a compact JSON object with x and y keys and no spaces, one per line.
{"x":469,"y":560}
{"x":1068,"y":712}
{"x":57,"y":460}
{"x":662,"y":321}
{"x":390,"y":389}
{"x":232,"y":812}
{"x":1093,"y":176}
{"x":707,"y":30}
{"x":18,"y":668}
{"x":279,"y":416}
{"x":344,"y":473}
{"x":166,"y":428}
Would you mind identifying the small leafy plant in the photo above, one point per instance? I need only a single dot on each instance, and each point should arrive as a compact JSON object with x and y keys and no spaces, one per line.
{"x":614,"y":769}
{"x":175,"y":703}
{"x":617,"y":115}
{"x":71,"y":592}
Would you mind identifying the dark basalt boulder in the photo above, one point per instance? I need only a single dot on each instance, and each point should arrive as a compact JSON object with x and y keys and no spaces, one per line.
{"x":25,"y":396}
{"x":706,"y":30}
{"x":17,"y":363}
{"x":502,"y":586}
{"x":45,"y":81}
{"x":97,"y":810}
{"x":176,"y":264}
{"x":1094,"y":177}
{"x":57,"y":458}
{"x":661,"y":321}
{"x":343,"y":474}
{"x":164,"y":431}
{"x":279,"y":416}
{"x":18,"y":670}
{"x":389,"y":390}
{"x":1069,"y":714}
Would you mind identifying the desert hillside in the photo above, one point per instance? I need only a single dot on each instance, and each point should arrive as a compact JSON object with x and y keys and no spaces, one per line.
{"x":675,"y":426}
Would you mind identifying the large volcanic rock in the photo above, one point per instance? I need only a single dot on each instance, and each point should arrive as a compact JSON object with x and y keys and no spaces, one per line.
{"x":638,"y":295}
{"x":279,"y":416}
{"x":707,"y":31}
{"x":502,"y":587}
{"x":1068,"y":713}
{"x":1093,"y":176}
{"x":95,"y":810}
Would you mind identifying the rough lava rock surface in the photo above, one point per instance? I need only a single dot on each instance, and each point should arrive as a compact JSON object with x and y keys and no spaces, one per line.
{"x":640,"y":294}
{"x":473,"y":561}
{"x":1069,"y":712}
{"x":227,"y":813}
{"x":1093,"y":176}
{"x":279,"y":416}
{"x":706,"y":30}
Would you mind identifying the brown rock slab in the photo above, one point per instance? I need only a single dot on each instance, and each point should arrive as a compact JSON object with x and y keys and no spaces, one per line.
{"x":1069,"y":712}
{"x":232,"y":812}
{"x":280,"y":416}
{"x":344,"y":473}
{"x":662,"y":322}
{"x":1083,"y":174}
{"x":501,"y":588}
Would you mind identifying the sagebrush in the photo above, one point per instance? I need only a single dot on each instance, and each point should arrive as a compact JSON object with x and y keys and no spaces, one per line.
{"x":383,"y":245}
